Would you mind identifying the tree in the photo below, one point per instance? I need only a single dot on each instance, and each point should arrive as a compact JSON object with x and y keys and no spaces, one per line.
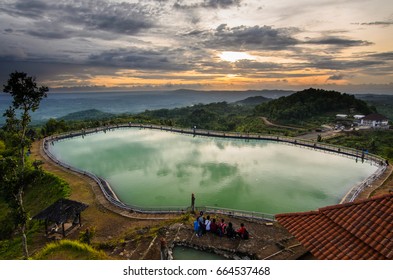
{"x":26,"y":98}
{"x":15,"y":175}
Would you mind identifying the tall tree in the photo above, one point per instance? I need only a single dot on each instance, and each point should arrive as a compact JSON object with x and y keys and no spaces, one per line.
{"x":26,"y":99}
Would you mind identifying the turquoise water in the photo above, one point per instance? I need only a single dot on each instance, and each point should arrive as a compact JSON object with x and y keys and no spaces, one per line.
{"x":185,"y":253}
{"x":150,"y":168}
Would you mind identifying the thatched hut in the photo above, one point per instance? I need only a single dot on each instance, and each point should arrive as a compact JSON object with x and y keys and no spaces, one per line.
{"x":61,"y":212}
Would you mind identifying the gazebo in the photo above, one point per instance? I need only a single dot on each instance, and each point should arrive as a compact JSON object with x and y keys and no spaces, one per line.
{"x":61,"y":212}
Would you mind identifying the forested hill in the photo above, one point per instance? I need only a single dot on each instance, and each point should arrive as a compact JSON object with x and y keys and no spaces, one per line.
{"x":310,"y":104}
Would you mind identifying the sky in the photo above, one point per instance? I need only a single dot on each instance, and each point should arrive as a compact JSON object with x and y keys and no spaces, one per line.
{"x":74,"y":45}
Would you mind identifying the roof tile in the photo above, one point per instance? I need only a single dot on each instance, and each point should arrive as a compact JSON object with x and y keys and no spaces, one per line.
{"x":357,"y":230}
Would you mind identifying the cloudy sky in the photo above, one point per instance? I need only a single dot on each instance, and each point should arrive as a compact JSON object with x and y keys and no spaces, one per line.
{"x":200,"y":44}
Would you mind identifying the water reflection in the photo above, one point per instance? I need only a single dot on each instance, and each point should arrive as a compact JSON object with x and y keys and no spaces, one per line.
{"x":156,"y":168}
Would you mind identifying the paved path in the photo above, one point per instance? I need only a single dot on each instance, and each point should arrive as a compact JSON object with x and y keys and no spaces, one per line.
{"x":269,"y":123}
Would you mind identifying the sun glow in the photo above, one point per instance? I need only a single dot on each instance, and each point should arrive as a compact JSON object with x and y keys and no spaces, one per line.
{"x":235,"y":56}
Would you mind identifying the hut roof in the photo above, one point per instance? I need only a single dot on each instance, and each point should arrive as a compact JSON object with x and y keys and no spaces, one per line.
{"x":61,"y":211}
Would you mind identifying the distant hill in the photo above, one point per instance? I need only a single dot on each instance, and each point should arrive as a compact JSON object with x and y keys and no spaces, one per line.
{"x":310,"y":104}
{"x":252,"y":101}
{"x":274,"y":93}
{"x":383,"y":103}
{"x":91,"y":114}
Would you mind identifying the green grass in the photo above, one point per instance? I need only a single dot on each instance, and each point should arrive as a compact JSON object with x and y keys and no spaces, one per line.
{"x":69,"y":250}
{"x":11,"y":249}
{"x":43,"y":193}
{"x":375,"y":141}
{"x":48,"y":189}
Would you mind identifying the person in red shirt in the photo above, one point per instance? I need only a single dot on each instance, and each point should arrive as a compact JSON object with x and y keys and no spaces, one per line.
{"x":242,"y":232}
{"x":222,"y":228}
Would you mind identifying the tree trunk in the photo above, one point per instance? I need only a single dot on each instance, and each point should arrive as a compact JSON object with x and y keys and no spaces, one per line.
{"x":24,"y":241}
{"x":23,"y":223}
{"x":25,"y":121}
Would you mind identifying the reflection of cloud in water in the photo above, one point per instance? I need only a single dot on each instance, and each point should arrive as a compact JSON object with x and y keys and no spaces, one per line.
{"x":164,"y":167}
{"x":234,"y":193}
{"x":163,"y":172}
{"x":216,"y":172}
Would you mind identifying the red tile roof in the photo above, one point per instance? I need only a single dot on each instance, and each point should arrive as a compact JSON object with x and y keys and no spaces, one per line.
{"x":355,"y":230}
{"x":375,"y":117}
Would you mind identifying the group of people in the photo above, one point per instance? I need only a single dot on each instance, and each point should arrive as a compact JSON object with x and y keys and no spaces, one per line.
{"x":203,"y":225}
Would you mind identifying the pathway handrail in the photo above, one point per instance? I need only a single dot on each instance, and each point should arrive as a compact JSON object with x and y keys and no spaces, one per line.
{"x":344,"y":151}
{"x":111,"y":196}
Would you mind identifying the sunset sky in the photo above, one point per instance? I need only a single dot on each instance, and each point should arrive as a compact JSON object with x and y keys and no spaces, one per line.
{"x":199,"y":44}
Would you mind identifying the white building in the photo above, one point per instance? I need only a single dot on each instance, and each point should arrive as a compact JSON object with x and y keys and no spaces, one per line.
{"x":358,"y":117}
{"x":375,"y":121}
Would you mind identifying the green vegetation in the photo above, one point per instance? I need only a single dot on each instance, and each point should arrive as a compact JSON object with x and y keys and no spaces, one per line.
{"x":221,"y":116}
{"x":70,"y":250}
{"x":48,"y":189}
{"x":307,"y":109}
{"x":213,"y":116}
{"x":312,"y":106}
{"x":24,"y":187}
{"x":375,"y":141}
{"x":382,"y":103}
{"x":92,"y":114}
{"x":12,"y":248}
{"x":15,"y":174}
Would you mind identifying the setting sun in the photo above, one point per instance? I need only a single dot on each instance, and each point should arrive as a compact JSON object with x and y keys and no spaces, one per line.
{"x":235,"y":56}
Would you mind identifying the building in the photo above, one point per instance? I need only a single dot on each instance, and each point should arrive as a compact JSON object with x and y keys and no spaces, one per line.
{"x":375,"y":121}
{"x":60,"y":213}
{"x":355,"y":230}
{"x":358,"y":117}
{"x":341,"y":116}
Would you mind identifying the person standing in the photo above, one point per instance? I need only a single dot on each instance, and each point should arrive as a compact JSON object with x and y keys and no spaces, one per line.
{"x":207,"y":223}
{"x":201,"y":224}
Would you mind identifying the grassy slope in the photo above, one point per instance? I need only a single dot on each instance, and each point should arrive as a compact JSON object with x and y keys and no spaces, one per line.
{"x":69,"y":250}
{"x":46,"y":191}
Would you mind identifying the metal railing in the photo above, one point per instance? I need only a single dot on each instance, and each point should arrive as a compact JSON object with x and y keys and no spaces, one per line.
{"x":358,"y":188}
{"x":328,"y":148}
{"x":237,"y":213}
{"x":111,"y":196}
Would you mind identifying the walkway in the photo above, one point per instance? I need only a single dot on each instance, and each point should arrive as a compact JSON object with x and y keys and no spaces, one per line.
{"x":269,"y":123}
{"x":383,"y":185}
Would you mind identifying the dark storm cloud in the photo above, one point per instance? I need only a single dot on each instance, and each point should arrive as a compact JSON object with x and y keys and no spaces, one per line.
{"x":25,"y":8}
{"x":212,"y":4}
{"x":120,"y":18}
{"x":41,"y":69}
{"x":255,"y":37}
{"x":47,"y":30}
{"x":141,"y":59}
{"x":337,"y":41}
